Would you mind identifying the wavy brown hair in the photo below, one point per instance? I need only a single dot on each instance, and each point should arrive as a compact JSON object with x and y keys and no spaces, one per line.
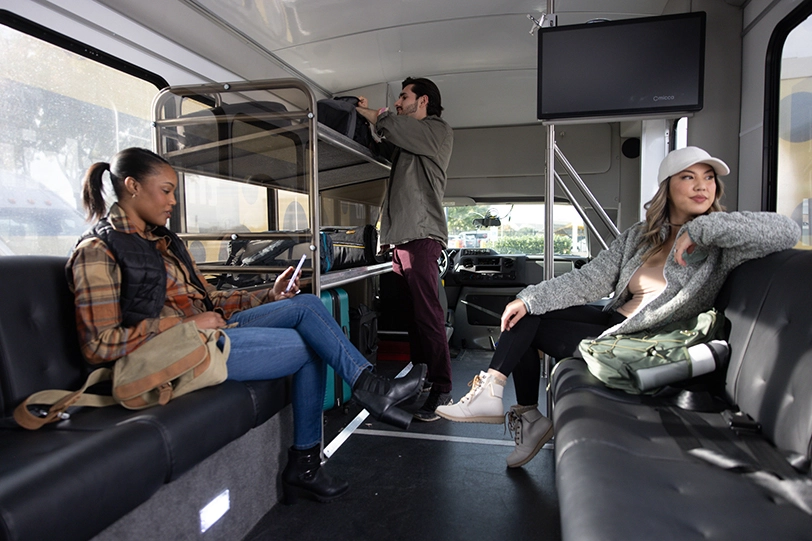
{"x":657,"y":216}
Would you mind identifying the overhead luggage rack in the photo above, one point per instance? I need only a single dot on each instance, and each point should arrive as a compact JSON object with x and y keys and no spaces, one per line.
{"x":263,"y":134}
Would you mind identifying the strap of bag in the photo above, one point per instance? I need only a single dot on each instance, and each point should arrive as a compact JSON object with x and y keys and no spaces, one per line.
{"x":61,"y":400}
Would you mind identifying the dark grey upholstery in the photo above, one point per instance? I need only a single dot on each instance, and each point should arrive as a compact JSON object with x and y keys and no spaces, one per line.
{"x":622,"y":467}
{"x":72,"y":479}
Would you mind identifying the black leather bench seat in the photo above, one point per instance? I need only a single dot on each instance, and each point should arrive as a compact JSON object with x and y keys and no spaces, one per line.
{"x":624,"y":469}
{"x":72,"y":479}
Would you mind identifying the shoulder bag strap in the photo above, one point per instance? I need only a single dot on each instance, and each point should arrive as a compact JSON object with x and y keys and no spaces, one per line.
{"x":61,"y":400}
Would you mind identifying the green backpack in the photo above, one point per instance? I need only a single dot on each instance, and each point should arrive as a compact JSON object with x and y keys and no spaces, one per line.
{"x":615,"y":359}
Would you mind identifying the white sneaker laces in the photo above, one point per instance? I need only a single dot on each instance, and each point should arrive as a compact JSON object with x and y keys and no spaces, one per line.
{"x":476,"y":385}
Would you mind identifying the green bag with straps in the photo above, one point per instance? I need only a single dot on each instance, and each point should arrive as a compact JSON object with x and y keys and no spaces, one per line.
{"x":616,"y":359}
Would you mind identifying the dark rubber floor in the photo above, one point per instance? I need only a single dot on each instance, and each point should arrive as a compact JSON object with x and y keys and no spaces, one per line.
{"x":437,"y":481}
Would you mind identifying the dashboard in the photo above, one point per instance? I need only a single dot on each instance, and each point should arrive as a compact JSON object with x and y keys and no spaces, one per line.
{"x":485,"y":267}
{"x":482,"y":265}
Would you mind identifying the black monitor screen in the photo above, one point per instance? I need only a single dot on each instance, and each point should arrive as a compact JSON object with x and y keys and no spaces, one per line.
{"x":629,"y":67}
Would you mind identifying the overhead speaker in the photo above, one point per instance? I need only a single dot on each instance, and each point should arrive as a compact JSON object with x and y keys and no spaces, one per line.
{"x":631,"y":148}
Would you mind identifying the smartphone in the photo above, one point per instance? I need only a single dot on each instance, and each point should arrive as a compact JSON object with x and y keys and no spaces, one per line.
{"x":296,"y":272}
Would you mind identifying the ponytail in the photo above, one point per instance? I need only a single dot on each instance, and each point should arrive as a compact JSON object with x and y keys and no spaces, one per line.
{"x":93,"y":191}
{"x":131,"y":162}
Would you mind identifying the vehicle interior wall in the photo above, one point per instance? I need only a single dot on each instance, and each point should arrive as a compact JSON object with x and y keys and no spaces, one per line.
{"x":759,"y":20}
{"x":508,"y":162}
{"x":716,"y":127}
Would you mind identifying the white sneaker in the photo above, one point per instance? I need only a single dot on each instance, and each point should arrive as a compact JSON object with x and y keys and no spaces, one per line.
{"x":483,"y":403}
{"x":531,"y":430}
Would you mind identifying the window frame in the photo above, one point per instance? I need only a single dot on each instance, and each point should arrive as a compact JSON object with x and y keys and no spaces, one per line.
{"x":43,"y":33}
{"x":772,"y":101}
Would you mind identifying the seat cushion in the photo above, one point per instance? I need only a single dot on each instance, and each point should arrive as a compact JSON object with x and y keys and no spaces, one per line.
{"x":607,"y":493}
{"x":195,"y":425}
{"x":770,"y":373}
{"x":57,"y":484}
{"x":39,"y":348}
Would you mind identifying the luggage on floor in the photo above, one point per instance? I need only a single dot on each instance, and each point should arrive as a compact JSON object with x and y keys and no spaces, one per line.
{"x":338,"y":391}
{"x":364,"y":331}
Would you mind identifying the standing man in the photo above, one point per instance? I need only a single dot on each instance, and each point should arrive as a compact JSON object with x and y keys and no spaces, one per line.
{"x":418,"y":143}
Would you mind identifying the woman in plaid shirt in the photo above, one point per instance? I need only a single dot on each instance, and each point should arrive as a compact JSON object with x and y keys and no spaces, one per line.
{"x":133,"y":278}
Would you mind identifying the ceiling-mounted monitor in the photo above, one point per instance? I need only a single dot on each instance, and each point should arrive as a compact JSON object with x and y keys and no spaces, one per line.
{"x":630,"y":67}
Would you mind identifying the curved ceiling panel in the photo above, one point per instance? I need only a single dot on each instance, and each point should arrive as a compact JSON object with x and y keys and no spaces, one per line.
{"x":391,"y":54}
{"x":277,"y":24}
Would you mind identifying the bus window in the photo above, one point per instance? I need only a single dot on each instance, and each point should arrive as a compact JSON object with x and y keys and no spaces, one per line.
{"x":794,"y":163}
{"x":293,"y":211}
{"x":60,"y":113}
{"x":521,"y":230}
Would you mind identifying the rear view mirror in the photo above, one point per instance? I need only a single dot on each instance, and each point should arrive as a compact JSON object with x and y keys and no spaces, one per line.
{"x":488,"y":221}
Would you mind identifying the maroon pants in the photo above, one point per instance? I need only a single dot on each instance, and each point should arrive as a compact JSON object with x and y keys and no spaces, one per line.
{"x":416,"y":263}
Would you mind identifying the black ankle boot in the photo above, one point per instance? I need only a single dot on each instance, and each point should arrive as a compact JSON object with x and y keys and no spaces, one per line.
{"x":304,"y":476}
{"x":380,"y":395}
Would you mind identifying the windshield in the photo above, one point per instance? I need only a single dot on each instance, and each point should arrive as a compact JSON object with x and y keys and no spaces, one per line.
{"x":516,"y":228}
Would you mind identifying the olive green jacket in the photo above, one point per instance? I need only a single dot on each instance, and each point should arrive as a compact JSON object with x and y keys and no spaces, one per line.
{"x":419,"y":151}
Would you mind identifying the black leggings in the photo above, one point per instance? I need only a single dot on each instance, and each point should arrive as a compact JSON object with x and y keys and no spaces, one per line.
{"x":556,"y":333}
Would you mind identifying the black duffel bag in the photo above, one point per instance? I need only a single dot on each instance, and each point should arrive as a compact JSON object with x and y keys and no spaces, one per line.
{"x":339,"y":113}
{"x":352,"y":246}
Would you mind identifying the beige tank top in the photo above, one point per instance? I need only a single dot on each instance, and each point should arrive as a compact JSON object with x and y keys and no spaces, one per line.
{"x":646,"y":283}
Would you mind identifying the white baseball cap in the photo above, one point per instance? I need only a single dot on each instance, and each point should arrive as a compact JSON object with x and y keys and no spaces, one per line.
{"x":683,"y":158}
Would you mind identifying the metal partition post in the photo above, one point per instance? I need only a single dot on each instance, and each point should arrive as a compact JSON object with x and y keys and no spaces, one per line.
{"x":549,"y":257}
{"x":315,"y":197}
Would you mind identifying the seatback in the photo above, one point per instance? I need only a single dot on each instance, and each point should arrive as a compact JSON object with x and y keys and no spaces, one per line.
{"x":767,"y":302}
{"x":39,"y":347}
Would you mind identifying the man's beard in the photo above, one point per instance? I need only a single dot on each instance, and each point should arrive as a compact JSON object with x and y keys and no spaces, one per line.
{"x":411,"y":109}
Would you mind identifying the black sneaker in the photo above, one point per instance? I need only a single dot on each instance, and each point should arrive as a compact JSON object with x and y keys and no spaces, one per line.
{"x":435,"y":398}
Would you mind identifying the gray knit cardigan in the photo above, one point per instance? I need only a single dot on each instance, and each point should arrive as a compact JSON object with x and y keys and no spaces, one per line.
{"x":724,"y":240}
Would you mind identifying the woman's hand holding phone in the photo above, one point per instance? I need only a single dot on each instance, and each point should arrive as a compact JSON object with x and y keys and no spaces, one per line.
{"x":287,"y":283}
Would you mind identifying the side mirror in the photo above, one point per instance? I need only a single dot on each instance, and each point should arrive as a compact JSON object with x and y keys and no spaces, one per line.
{"x":489,"y":221}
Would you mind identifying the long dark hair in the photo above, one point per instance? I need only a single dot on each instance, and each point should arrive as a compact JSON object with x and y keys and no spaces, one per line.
{"x":425,"y":87}
{"x":131,"y":162}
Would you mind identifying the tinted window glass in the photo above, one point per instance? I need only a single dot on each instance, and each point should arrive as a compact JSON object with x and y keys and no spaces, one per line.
{"x":60,"y":113}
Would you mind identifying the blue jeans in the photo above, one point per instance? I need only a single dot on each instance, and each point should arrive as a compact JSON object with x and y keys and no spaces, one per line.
{"x":294,"y":336}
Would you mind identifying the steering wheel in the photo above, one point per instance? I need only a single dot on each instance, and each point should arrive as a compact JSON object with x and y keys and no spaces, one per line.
{"x":443,"y":263}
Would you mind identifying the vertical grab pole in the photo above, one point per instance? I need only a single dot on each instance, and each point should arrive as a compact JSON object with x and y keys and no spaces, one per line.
{"x":549,"y":256}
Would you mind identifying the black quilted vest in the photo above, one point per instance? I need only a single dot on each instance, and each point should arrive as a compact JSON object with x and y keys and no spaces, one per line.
{"x":143,"y":274}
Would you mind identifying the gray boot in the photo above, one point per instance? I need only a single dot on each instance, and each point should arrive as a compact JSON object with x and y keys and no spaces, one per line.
{"x":531,"y":430}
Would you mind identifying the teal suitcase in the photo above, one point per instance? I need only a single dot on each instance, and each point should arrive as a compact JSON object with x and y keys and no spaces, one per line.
{"x":338,"y":391}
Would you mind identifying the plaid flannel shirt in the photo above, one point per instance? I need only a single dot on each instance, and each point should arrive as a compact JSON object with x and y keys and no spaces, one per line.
{"x":95,"y":279}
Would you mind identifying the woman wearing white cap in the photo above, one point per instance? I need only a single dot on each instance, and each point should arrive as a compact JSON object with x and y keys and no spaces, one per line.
{"x":669,"y":267}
